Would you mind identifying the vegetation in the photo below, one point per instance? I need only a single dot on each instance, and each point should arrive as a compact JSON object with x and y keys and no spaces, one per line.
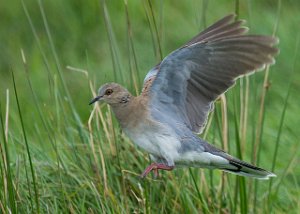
{"x":59,"y":155}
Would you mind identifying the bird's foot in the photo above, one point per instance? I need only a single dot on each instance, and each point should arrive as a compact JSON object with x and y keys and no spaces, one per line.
{"x":155,"y":167}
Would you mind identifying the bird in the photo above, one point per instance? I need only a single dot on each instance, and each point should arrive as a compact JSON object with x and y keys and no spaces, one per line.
{"x":178,"y":94}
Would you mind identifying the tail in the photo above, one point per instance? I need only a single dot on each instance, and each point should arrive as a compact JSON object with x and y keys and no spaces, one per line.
{"x":242,"y":168}
{"x":233,"y":165}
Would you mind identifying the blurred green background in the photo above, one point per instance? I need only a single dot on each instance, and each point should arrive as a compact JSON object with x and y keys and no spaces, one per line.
{"x":80,"y":38}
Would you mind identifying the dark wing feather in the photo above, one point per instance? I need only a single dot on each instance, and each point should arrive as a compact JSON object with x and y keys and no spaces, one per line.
{"x":187,"y":82}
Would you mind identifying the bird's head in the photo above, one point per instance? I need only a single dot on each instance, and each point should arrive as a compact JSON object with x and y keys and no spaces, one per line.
{"x":112,"y":93}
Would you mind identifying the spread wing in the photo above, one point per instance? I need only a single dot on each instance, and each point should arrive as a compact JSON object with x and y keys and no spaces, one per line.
{"x":183,"y":87}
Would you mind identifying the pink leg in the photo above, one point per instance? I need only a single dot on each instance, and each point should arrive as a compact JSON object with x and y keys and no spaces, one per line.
{"x":155,"y":167}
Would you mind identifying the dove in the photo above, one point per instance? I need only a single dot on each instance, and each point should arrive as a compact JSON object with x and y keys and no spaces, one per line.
{"x":179,"y":93}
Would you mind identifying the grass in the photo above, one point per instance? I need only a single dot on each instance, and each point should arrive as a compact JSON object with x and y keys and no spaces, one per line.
{"x":59,"y":155}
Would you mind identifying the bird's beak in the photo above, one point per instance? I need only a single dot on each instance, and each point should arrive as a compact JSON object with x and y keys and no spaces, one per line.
{"x":95,"y":100}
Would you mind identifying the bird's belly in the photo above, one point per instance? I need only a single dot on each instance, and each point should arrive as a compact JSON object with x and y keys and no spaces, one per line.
{"x":159,"y":142}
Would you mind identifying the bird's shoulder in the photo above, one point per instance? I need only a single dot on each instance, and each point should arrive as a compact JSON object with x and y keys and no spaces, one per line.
{"x":147,"y":85}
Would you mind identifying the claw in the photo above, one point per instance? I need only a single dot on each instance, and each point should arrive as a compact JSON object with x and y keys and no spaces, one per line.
{"x":155,"y":167}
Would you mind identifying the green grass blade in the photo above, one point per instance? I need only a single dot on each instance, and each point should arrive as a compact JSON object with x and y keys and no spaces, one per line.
{"x":6,"y":173}
{"x":203,"y":202}
{"x":156,"y":40}
{"x":156,"y":30}
{"x":114,"y":50}
{"x":34,"y":181}
{"x":237,"y":9}
{"x":241,"y":180}
{"x":133,"y":66}
{"x":60,"y":74}
{"x":282,"y":118}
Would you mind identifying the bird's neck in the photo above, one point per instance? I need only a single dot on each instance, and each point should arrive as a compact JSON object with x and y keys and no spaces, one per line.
{"x":130,"y":113}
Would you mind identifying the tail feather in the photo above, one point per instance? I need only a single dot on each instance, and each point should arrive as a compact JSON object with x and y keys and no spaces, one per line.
{"x":245,"y":169}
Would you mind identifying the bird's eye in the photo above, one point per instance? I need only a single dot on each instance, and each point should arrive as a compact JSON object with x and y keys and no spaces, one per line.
{"x":108,"y":92}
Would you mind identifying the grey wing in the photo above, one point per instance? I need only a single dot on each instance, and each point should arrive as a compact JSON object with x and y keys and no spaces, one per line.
{"x":187,"y":82}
